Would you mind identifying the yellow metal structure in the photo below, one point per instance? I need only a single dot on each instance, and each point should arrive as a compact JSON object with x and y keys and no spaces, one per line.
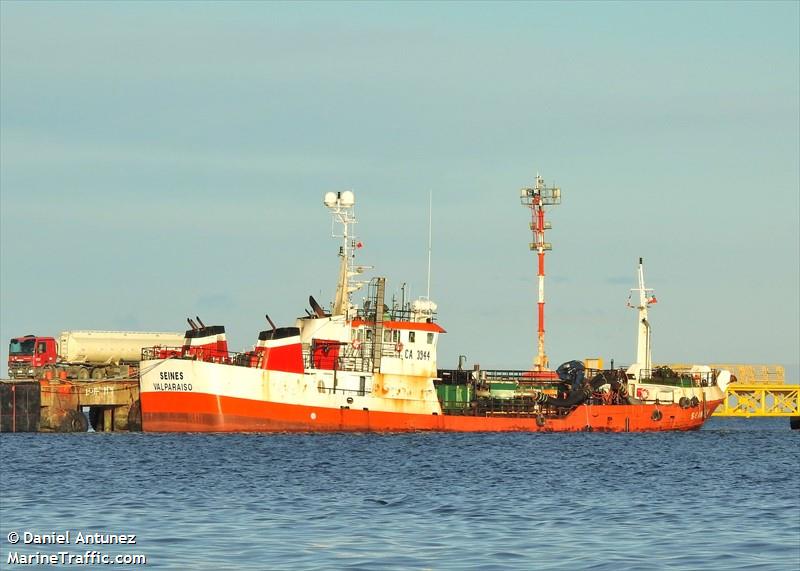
{"x":747,"y":374}
{"x":754,"y":374}
{"x":754,"y":400}
{"x":595,"y":363}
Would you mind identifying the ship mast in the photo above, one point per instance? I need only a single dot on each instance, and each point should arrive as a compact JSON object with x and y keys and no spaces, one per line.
{"x":536,"y":199}
{"x":342,"y":207}
{"x":643,"y":356}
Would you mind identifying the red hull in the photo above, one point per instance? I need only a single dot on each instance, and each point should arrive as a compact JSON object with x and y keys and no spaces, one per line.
{"x":197,"y":412}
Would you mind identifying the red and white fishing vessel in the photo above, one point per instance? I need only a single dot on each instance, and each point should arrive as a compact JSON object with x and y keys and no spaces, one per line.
{"x":373,"y":367}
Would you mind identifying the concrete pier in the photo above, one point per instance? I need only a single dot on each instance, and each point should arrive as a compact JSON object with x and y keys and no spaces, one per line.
{"x":113,"y":405}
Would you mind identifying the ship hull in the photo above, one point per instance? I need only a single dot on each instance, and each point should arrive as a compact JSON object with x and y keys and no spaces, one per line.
{"x":180,"y":395}
{"x":199,"y":412}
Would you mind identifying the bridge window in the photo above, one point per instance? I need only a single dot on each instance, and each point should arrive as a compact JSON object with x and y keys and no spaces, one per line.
{"x":430,"y":338}
{"x":411,"y":336}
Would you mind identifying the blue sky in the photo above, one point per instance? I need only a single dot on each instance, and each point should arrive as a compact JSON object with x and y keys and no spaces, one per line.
{"x":165,"y":160}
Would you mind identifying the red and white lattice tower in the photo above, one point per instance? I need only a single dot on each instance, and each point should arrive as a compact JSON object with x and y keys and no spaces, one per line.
{"x":536,"y":199}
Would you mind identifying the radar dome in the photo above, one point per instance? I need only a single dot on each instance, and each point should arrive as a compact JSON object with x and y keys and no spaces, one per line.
{"x":330,"y":199}
{"x":347,"y":198}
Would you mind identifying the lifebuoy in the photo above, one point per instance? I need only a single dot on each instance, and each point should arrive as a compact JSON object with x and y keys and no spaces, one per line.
{"x":644,"y":393}
{"x":356,"y":344}
{"x":398,"y":347}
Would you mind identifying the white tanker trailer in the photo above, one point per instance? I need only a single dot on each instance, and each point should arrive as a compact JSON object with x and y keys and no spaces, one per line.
{"x":84,"y":354}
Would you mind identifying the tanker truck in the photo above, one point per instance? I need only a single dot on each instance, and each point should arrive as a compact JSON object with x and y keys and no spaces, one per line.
{"x":83,"y":354}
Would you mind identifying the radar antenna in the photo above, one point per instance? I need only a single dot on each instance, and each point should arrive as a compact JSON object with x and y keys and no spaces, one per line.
{"x":342,"y":207}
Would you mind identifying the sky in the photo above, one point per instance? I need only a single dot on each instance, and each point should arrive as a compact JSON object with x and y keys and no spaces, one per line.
{"x":165,"y":160}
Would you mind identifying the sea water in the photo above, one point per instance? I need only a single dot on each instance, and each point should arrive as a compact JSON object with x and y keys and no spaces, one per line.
{"x":725,"y":497}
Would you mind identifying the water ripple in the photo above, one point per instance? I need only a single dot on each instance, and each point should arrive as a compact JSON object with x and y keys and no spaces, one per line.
{"x":724,"y":497}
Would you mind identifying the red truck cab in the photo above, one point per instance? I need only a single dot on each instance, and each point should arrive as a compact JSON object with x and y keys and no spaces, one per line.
{"x":26,"y":355}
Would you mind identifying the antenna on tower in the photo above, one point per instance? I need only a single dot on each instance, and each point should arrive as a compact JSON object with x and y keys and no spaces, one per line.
{"x":536,"y":199}
{"x":430,"y":238}
{"x":342,"y":207}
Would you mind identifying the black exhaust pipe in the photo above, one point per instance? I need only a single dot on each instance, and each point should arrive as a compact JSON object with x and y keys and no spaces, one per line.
{"x":270,"y":322}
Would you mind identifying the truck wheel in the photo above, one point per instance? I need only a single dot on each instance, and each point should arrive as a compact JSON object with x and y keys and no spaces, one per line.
{"x":135,"y":417}
{"x":83,"y":374}
{"x":98,"y":373}
{"x":74,"y":421}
